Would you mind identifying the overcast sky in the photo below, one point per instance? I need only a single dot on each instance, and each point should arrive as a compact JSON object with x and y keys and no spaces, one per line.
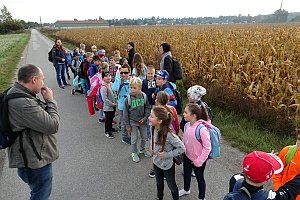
{"x":52,"y":10}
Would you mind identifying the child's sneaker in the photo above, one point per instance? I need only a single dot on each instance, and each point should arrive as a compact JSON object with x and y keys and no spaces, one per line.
{"x":109,"y":135}
{"x":102,"y":120}
{"x":145,"y":152}
{"x":183,"y":192}
{"x":126,"y":140}
{"x":114,"y":130}
{"x":152,"y":173}
{"x":135,"y":157}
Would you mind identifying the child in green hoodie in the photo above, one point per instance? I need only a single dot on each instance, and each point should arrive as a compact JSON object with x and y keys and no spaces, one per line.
{"x":136,"y":111}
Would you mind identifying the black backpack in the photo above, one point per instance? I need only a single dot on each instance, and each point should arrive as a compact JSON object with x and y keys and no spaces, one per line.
{"x":50,"y":57}
{"x":177,"y":69}
{"x":7,"y":136}
{"x":178,"y":98}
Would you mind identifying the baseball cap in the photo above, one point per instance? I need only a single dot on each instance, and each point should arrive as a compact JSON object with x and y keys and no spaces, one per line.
{"x":163,"y":73}
{"x":259,"y":166}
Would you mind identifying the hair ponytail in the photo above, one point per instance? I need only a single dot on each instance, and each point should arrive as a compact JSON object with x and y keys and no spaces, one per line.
{"x":166,"y":117}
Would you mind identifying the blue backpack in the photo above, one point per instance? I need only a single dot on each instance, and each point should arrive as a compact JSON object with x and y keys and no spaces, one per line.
{"x":215,"y":136}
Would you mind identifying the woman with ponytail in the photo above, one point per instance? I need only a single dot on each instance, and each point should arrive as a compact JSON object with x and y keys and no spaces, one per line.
{"x":164,"y":145}
{"x":197,"y":152}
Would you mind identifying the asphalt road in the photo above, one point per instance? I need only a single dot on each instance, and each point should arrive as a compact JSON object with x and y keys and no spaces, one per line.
{"x":93,"y":167}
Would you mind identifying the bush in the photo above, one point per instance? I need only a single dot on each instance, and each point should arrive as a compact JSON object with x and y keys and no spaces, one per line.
{"x":10,"y":26}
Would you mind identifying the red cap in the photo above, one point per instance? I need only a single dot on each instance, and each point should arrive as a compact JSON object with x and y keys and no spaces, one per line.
{"x":259,"y":166}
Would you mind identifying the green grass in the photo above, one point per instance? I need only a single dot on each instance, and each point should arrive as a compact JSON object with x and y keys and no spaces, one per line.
{"x":246,"y":135}
{"x":12,"y":46}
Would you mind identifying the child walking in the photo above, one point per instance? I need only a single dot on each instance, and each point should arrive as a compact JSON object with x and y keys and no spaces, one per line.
{"x":197,"y":152}
{"x":136,"y":111}
{"x":164,"y":145}
{"x":109,"y":106}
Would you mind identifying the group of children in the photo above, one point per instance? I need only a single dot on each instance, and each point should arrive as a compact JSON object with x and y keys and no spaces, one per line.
{"x":145,"y":102}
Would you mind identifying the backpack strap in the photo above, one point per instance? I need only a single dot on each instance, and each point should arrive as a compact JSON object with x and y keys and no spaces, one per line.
{"x":290,"y":154}
{"x":245,"y":191}
{"x":197,"y":132}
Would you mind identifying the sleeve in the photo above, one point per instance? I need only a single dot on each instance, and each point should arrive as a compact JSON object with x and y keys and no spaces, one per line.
{"x":206,"y":147}
{"x":147,"y":107}
{"x":104,"y":94}
{"x":144,"y":87}
{"x":35,"y":117}
{"x":182,"y":124}
{"x":277,"y":178}
{"x":54,"y":55}
{"x":134,"y":72}
{"x":126,"y":113}
{"x":172,"y":100}
{"x":175,"y":120}
{"x":92,"y":71}
{"x":288,"y":191}
{"x":178,"y":145}
{"x":116,"y":85}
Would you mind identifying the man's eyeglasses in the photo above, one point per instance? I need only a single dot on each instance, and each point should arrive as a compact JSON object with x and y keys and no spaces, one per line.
{"x":124,"y":72}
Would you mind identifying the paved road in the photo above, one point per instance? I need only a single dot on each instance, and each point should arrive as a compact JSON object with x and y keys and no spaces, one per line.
{"x":93,"y":167}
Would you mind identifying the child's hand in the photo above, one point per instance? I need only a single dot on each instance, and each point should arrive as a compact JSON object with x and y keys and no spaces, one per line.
{"x":161,"y":155}
{"x":142,"y":121}
{"x":153,"y":96}
{"x":129,"y":129}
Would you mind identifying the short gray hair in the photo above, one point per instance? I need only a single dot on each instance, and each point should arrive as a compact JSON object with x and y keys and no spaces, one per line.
{"x":26,"y":72}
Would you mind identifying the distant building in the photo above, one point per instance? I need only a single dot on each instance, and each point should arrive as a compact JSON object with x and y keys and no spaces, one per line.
{"x":70,"y":24}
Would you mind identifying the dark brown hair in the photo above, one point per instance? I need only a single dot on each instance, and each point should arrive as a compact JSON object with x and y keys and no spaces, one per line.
{"x":166,"y":117}
{"x":198,"y":110}
{"x":126,"y":66}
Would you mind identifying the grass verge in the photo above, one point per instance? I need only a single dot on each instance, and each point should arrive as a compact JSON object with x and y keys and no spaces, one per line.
{"x":245,"y":135}
{"x":12,"y":46}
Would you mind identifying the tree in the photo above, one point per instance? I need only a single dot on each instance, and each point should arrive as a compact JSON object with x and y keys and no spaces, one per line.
{"x":5,"y":15}
{"x":281,"y":15}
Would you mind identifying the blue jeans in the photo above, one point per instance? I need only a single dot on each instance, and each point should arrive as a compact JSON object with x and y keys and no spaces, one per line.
{"x":60,"y":74}
{"x":39,"y":181}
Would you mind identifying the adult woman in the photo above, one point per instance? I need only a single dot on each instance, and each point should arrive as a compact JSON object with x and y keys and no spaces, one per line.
{"x":166,"y":60}
{"x":58,"y":55}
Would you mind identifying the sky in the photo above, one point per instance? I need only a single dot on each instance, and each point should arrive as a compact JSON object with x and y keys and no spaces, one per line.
{"x":53,"y":10}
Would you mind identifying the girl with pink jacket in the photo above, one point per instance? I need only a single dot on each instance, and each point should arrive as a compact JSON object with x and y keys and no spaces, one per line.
{"x":196,"y":152}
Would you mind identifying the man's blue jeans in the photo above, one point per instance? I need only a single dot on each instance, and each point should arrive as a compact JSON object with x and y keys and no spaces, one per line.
{"x":39,"y":181}
{"x":60,"y":74}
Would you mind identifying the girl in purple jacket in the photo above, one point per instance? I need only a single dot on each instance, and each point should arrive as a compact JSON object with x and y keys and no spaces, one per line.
{"x":196,"y":152}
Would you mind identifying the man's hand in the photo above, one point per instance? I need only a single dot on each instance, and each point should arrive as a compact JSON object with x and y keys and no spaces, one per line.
{"x":47,"y":93}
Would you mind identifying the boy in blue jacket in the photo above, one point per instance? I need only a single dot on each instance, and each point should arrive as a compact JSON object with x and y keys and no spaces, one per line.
{"x":121,"y":86}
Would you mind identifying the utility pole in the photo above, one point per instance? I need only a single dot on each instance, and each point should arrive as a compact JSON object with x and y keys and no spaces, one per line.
{"x":281,"y":5}
{"x":41,"y":22}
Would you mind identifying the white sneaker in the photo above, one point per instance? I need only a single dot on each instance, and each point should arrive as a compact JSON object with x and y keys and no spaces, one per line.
{"x":183,"y":192}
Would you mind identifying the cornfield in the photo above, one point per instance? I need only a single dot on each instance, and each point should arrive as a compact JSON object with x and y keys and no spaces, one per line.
{"x":263,"y":60}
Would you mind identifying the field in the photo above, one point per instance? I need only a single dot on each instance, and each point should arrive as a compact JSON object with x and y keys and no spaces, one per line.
{"x":12,"y":46}
{"x":254,"y":64}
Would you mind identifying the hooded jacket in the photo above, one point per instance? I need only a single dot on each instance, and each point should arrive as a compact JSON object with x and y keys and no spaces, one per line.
{"x":39,"y":121}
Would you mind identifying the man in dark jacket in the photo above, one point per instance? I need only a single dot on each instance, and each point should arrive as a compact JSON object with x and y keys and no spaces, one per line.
{"x":258,"y":168}
{"x":35,"y":149}
{"x":131,"y":52}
